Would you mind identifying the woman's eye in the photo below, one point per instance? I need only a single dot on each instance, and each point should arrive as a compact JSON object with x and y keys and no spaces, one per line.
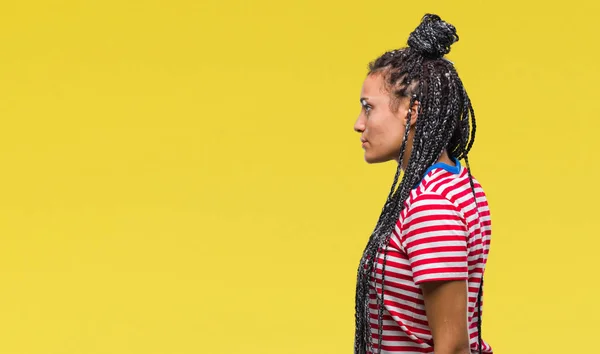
{"x":367,"y":107}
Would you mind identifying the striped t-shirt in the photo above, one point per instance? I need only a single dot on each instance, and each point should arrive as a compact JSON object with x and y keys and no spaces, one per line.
{"x":442,"y":234}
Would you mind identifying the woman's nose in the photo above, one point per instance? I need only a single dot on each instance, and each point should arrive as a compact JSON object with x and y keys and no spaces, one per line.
{"x":359,"y":125}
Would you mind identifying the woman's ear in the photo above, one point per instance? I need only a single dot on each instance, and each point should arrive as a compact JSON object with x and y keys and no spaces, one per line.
{"x":414,"y":113}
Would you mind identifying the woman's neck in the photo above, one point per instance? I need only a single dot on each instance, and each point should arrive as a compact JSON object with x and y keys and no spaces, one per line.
{"x":444,"y":158}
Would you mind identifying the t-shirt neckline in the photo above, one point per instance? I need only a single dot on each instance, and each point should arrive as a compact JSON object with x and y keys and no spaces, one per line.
{"x":452,"y":169}
{"x":445,"y":166}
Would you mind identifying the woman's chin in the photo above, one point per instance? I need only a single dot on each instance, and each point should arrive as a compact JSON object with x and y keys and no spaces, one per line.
{"x":371,"y":158}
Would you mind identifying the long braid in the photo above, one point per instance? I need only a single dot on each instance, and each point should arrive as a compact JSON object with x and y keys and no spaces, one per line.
{"x":480,"y":292}
{"x":471,"y":112}
{"x":443,"y":111}
{"x":479,"y":339}
{"x":376,"y":242}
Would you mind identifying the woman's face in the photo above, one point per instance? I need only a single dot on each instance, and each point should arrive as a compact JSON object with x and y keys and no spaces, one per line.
{"x":382,"y":129}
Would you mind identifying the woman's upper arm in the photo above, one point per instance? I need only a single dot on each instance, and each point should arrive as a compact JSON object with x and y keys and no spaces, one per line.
{"x":446,"y":309}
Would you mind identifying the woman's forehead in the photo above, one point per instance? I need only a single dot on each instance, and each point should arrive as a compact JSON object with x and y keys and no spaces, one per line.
{"x":373,"y":87}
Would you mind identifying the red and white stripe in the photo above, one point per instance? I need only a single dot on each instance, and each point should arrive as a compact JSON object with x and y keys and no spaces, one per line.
{"x":443,"y":233}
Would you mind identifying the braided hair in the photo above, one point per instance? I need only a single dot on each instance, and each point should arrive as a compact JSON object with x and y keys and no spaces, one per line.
{"x":446,"y":122}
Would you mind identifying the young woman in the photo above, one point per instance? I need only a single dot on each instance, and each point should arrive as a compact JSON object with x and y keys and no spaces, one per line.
{"x":420,"y":279}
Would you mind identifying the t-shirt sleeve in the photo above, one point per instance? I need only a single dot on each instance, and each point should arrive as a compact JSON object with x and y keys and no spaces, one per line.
{"x":434,"y":236}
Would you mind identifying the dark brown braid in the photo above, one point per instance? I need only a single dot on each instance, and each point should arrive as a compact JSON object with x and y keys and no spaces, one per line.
{"x":446,"y":122}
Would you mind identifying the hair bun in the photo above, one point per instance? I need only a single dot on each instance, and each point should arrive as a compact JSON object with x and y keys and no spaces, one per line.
{"x":433,"y":37}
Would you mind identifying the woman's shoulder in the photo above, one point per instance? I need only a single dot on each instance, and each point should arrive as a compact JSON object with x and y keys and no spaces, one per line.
{"x":443,"y":190}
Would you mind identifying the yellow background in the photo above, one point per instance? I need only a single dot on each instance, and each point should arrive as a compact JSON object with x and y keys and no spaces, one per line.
{"x":182,"y":176}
